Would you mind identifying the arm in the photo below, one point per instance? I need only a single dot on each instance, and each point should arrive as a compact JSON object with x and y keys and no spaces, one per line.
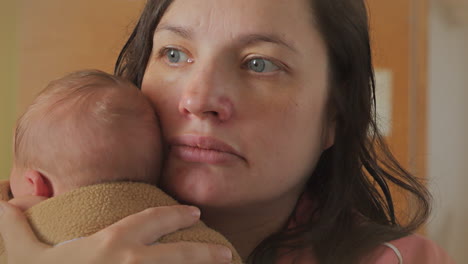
{"x":124,"y":242}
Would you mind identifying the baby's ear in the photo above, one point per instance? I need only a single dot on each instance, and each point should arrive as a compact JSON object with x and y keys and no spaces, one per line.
{"x":40,"y":184}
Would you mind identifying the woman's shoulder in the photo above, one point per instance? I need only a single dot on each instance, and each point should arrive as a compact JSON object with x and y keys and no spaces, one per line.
{"x":412,"y":249}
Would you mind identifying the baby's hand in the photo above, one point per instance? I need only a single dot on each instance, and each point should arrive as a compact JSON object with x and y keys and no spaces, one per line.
{"x":26,"y":202}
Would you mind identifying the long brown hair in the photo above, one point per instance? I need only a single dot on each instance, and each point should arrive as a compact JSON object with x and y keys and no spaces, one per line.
{"x":350,"y":185}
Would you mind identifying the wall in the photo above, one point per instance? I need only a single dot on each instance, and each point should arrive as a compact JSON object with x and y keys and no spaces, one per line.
{"x":57,"y":37}
{"x":399,"y":38}
{"x":448,"y":131}
{"x":8,"y":82}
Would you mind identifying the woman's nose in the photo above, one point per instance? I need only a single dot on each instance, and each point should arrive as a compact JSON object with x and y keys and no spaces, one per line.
{"x":206,"y":96}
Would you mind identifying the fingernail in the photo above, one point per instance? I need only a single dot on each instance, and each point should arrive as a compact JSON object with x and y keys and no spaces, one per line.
{"x":226,"y":254}
{"x":195,"y":211}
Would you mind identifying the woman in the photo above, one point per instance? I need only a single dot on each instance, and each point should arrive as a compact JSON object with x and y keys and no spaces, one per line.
{"x":267,"y":112}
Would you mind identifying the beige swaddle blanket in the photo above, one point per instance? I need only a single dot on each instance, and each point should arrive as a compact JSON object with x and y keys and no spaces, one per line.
{"x":84,"y":211}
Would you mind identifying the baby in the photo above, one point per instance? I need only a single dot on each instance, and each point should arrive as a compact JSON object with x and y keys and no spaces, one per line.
{"x":88,"y":153}
{"x":86,"y":128}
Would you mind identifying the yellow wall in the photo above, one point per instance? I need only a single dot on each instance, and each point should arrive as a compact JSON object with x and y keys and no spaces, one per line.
{"x":56,"y":37}
{"x":8,"y":82}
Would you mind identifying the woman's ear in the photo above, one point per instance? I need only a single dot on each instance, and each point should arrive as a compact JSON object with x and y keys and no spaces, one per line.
{"x":329,"y":135}
{"x":40,"y":184}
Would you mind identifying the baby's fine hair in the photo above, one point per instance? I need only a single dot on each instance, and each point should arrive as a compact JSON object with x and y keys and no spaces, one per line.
{"x":90,"y":127}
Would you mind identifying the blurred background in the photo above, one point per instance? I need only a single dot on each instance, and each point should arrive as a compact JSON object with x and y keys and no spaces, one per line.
{"x":421,"y":59}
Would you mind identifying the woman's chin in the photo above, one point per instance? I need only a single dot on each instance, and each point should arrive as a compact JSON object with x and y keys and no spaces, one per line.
{"x":201,"y":187}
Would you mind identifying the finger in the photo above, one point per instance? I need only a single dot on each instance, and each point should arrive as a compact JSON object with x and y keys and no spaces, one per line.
{"x":17,"y":235}
{"x":188,"y":252}
{"x":151,"y":224}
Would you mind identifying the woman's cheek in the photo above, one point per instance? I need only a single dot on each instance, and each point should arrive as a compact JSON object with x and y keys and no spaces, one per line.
{"x":159,"y":85}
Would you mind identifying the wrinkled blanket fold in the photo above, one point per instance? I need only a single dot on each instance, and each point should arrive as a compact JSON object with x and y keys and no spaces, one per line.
{"x":86,"y":210}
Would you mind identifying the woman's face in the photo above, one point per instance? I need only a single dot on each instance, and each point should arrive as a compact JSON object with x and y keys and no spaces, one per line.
{"x":240,"y":88}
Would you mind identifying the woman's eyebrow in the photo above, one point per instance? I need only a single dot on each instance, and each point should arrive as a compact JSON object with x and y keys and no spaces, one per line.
{"x":247,"y":39}
{"x":251,"y":39}
{"x":181,"y":31}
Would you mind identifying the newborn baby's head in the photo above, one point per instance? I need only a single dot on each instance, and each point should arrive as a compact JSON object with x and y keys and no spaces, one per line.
{"x":86,"y":128}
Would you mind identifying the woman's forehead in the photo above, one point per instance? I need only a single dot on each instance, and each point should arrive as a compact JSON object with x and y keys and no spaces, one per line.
{"x":291,"y":19}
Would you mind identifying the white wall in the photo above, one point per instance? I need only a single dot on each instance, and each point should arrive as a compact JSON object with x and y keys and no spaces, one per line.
{"x":448,"y":131}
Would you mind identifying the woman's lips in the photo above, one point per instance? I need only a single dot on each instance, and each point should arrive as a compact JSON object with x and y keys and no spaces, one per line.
{"x":201,"y":149}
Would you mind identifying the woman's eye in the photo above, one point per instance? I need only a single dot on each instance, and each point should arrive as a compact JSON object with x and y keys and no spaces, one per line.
{"x":176,"y":56}
{"x":262,"y":65}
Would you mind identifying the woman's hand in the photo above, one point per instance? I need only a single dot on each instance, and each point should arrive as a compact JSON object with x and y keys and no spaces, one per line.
{"x":125,"y":242}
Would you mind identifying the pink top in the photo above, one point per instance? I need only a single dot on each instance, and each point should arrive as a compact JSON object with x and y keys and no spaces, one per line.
{"x":413,"y":249}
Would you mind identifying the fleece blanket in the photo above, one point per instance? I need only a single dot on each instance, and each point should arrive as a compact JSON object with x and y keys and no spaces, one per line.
{"x":86,"y":210}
